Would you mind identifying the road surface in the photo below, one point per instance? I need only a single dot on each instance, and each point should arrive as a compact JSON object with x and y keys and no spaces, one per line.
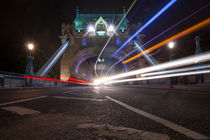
{"x":114,"y":112}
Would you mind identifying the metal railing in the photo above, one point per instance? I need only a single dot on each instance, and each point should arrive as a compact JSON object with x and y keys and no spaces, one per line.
{"x":14,"y":80}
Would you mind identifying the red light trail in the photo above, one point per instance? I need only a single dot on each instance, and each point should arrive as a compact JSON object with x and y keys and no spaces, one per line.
{"x":75,"y":81}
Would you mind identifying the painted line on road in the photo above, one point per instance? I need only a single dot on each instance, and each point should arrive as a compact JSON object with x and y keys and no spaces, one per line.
{"x":21,"y":110}
{"x":96,"y":91}
{"x":84,"y":99}
{"x":175,"y":127}
{"x":23,"y":100}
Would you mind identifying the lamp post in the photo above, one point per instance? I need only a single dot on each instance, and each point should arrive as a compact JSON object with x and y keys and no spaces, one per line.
{"x":29,"y":66}
{"x":171,"y":47}
{"x":198,"y":78}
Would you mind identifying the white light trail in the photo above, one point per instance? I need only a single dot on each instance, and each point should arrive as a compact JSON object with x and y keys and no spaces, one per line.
{"x":160,"y":76}
{"x":176,"y":70}
{"x":172,"y":64}
{"x":145,"y":55}
{"x":112,"y":36}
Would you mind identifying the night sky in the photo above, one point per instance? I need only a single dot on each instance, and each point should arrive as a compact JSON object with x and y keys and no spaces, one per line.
{"x":39,"y":21}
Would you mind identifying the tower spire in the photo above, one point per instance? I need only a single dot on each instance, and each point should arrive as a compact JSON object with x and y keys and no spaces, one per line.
{"x":124,"y":10}
{"x":77,"y":11}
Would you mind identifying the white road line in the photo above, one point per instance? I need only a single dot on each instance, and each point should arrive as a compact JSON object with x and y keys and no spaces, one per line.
{"x":75,"y":98}
{"x":21,"y":110}
{"x":96,"y":91}
{"x":23,"y":100}
{"x":175,"y":127}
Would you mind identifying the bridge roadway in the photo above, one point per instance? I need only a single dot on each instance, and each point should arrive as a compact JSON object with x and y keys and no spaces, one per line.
{"x":85,"y":112}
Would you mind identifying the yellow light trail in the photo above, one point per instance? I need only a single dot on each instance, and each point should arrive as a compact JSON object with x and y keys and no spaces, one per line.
{"x":185,"y":32}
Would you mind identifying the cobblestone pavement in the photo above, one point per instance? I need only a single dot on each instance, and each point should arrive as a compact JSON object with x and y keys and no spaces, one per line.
{"x":85,"y":113}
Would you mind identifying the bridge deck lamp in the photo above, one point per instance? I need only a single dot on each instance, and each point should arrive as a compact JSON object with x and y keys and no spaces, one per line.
{"x":29,"y":66}
{"x":30,"y":46}
{"x":171,"y":45}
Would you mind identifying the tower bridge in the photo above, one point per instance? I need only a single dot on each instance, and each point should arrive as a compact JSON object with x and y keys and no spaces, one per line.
{"x":110,"y":84}
{"x":89,"y":33}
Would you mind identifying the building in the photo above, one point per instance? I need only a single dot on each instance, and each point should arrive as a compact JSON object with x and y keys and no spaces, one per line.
{"x":89,"y":33}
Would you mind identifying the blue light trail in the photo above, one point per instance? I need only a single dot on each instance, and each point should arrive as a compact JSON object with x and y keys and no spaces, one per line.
{"x":51,"y":62}
{"x":183,"y":20}
{"x":148,"y":23}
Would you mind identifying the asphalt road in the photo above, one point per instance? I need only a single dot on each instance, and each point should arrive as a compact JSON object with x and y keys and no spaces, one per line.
{"x":104,"y":113}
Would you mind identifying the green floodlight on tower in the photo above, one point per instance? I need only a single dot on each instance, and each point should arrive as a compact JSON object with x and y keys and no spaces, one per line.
{"x":101,"y":27}
{"x":99,"y":24}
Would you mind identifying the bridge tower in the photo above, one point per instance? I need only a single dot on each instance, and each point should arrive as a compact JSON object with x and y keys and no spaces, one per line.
{"x":89,"y":33}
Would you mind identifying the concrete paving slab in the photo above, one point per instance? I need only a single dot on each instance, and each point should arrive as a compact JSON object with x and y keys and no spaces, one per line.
{"x":20,"y":110}
{"x":123,"y":133}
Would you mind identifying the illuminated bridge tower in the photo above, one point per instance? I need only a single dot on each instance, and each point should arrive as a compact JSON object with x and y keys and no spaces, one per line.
{"x":89,"y":33}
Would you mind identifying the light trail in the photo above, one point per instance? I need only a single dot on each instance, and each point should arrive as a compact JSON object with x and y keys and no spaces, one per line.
{"x":57,"y":80}
{"x":147,"y":24}
{"x":172,"y":64}
{"x":138,"y":48}
{"x":186,"y":18}
{"x":176,"y":70}
{"x":181,"y":34}
{"x":112,"y":36}
{"x":161,"y":76}
{"x":53,"y":59}
{"x":145,"y":55}
{"x":72,"y":79}
{"x":73,"y":42}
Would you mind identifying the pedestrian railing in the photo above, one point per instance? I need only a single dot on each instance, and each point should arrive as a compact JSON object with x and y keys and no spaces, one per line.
{"x":13,"y":80}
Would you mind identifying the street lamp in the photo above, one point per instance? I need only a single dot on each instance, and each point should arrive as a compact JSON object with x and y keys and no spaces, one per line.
{"x":30,"y":46}
{"x":171,"y":45}
{"x":29,"y":66}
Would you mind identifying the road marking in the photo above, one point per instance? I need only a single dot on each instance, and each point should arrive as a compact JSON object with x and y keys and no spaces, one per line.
{"x":23,"y":100}
{"x":20,"y":110}
{"x":96,"y":91}
{"x":175,"y":127}
{"x":123,"y":132}
{"x":75,"y":98}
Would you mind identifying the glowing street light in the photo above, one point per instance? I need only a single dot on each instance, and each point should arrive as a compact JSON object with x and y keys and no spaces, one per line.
{"x":29,"y":66}
{"x":171,"y":45}
{"x":91,"y":28}
{"x":30,"y":46}
{"x":110,"y":28}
